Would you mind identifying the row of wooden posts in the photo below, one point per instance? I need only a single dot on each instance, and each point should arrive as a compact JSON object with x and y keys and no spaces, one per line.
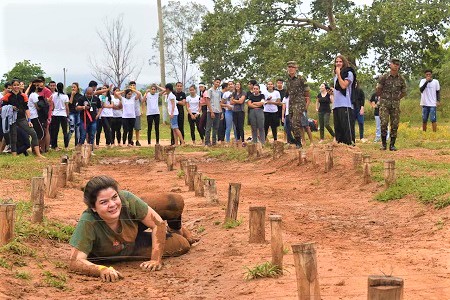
{"x":379,"y":287}
{"x":54,"y":177}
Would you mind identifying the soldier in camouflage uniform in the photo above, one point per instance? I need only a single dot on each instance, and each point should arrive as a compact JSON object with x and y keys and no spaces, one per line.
{"x":298,"y":92}
{"x":391,"y":88}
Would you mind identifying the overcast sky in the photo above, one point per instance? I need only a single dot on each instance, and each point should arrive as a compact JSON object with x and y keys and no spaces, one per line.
{"x":62,"y":34}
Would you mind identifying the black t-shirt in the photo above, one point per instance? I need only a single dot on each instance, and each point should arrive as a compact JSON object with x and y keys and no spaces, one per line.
{"x":255,"y":98}
{"x":180,"y":97}
{"x":374,"y":98}
{"x":282,"y":95}
{"x":94,"y":104}
{"x":72,"y":107}
{"x":324,"y":103}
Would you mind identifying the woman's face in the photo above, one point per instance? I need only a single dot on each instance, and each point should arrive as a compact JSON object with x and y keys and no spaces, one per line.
{"x":15,"y":86}
{"x":339,"y":63}
{"x":108,"y":204}
{"x":128,"y":96}
{"x":270,"y":86}
{"x":256,"y":89}
{"x":22,"y":85}
{"x":153,"y":90}
{"x":322,"y":87}
{"x":74,"y":88}
{"x":238,"y":86}
{"x":192,"y":91}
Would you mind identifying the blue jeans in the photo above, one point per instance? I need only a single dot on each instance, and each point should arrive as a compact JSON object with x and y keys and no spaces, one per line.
{"x":360,"y":119}
{"x":229,"y":124}
{"x":74,"y":127}
{"x":429,"y":111}
{"x":378,"y":129}
{"x":287,"y":129}
{"x":91,"y":130}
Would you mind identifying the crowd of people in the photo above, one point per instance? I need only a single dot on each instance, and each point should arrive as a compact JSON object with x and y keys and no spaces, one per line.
{"x":39,"y":111}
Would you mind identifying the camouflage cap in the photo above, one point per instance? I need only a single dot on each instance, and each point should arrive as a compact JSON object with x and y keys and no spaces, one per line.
{"x":395,"y":60}
{"x":292,"y":63}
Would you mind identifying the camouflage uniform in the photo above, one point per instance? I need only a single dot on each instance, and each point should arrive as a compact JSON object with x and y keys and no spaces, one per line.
{"x":296,"y":88}
{"x":391,"y":88}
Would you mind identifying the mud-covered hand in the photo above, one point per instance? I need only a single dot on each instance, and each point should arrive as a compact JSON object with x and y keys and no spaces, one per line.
{"x":109,"y":274}
{"x":151,"y":265}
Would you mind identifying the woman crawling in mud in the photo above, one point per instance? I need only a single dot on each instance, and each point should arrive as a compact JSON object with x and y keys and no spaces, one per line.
{"x":113,"y":228}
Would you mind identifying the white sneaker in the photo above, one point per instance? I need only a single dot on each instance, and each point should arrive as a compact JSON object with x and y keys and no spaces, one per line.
{"x":7,"y":149}
{"x":363,"y":140}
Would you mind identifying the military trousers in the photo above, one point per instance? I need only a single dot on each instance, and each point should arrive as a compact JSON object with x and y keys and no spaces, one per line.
{"x":389,"y":113}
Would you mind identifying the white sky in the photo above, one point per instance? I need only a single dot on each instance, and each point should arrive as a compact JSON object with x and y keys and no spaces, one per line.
{"x":62,"y":34}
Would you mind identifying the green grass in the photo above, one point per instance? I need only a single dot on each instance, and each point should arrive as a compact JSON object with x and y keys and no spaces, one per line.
{"x":18,"y":248}
{"x":58,"y":281}
{"x":201,"y":229}
{"x":4,"y":263}
{"x":230,"y":223}
{"x":180,"y":174}
{"x":264,"y":270}
{"x":23,"y":275}
{"x":235,"y":154}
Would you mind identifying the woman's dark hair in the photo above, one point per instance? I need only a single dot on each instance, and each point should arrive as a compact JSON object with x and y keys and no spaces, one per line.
{"x":127,"y":91}
{"x":345,"y":63}
{"x":32,"y":89}
{"x":77,"y":85}
{"x":169,"y":86}
{"x":60,"y":88}
{"x":193,"y":86}
{"x":92,"y":83}
{"x":95,"y":185}
{"x":15,"y":80}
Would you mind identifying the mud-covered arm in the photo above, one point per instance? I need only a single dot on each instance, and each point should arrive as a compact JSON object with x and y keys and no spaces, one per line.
{"x":159,"y":229}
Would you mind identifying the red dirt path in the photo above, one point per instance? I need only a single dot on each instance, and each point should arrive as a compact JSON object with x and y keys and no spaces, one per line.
{"x":355,"y":236}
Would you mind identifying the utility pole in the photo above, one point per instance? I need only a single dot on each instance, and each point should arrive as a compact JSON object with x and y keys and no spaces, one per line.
{"x":162,"y":62}
{"x":64,"y":71}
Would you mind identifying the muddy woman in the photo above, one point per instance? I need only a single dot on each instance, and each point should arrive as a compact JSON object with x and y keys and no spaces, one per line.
{"x":113,"y":226}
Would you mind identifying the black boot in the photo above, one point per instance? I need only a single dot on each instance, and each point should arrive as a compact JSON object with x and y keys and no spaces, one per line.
{"x":383,"y":143}
{"x":392,"y":145}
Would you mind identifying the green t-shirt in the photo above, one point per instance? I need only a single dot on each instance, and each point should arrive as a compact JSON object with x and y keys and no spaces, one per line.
{"x":94,"y":237}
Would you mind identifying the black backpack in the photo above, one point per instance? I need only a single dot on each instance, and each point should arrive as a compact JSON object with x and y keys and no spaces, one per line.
{"x":42,"y":108}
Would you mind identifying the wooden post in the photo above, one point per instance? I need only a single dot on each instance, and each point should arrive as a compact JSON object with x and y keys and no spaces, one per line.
{"x":278,"y":149}
{"x":65,"y":158}
{"x":70,"y":167}
{"x":37,"y":198}
{"x":198,"y":185}
{"x":328,"y":158}
{"x":306,"y":270}
{"x":234,"y":190}
{"x":78,"y":162}
{"x":186,"y":165}
{"x":357,"y":160}
{"x":276,"y":240}
{"x":301,"y":157}
{"x":315,"y":157}
{"x":62,"y":175}
{"x":210,"y":190}
{"x":159,"y":152}
{"x":389,"y":172}
{"x":257,"y":225}
{"x":182,"y":161}
{"x":251,"y":150}
{"x":366,"y":165}
{"x":170,"y":151}
{"x":7,"y":212}
{"x":51,"y":181}
{"x":259,"y":150}
{"x":192,"y":169}
{"x":84,"y":156}
{"x":385,"y":287}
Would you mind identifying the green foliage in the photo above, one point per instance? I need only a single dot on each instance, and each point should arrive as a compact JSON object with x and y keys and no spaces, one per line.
{"x":264,"y":270}
{"x":201,"y":229}
{"x":23,"y":275}
{"x":16,"y":247}
{"x":234,"y":154}
{"x":262,"y":35}
{"x":180,"y":174}
{"x":230,"y":223}
{"x":25,"y":71}
{"x":217,"y":223}
{"x":4,"y":263}
{"x":55,"y":280}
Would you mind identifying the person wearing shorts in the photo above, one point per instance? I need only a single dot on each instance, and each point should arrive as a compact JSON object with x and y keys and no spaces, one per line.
{"x":136,"y":96}
{"x":173,"y":113}
{"x":429,"y":99}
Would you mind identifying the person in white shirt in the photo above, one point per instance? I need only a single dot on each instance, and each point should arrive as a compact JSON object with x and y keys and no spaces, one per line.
{"x":228,"y":108}
{"x":430,"y":99}
{"x":173,"y":113}
{"x":105,"y":118}
{"x":128,"y":117}
{"x":116,"y":121}
{"x":59,"y":116}
{"x":214,"y":113}
{"x":151,"y":98}
{"x":136,"y":96}
{"x":193,"y":108}
{"x":285,"y":119}
{"x":271,"y":110}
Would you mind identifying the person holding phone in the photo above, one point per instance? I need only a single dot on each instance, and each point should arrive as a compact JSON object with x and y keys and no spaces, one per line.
{"x":324,"y":99}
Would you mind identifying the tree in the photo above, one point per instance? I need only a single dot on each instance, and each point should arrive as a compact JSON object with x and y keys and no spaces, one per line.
{"x":25,"y":71}
{"x":255,"y":38}
{"x":180,"y":21}
{"x":117,"y":64}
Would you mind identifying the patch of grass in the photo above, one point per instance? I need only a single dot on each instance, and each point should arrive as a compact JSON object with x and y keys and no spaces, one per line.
{"x":201,"y":229}
{"x":234,"y":154}
{"x":60,"y":265}
{"x":124,"y":152}
{"x":180,"y":174}
{"x":264,"y":270}
{"x":23,"y":275}
{"x":58,"y":281}
{"x":26,"y":167}
{"x":16,"y":247}
{"x":440,"y":224}
{"x":286,"y":250}
{"x":217,"y":223}
{"x":230,"y":223}
{"x":4,"y":263}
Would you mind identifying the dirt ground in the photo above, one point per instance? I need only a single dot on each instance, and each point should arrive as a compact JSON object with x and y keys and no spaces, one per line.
{"x":355,"y":236}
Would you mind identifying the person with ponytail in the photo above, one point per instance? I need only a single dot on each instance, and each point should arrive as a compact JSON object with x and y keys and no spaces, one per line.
{"x":59,"y":117}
